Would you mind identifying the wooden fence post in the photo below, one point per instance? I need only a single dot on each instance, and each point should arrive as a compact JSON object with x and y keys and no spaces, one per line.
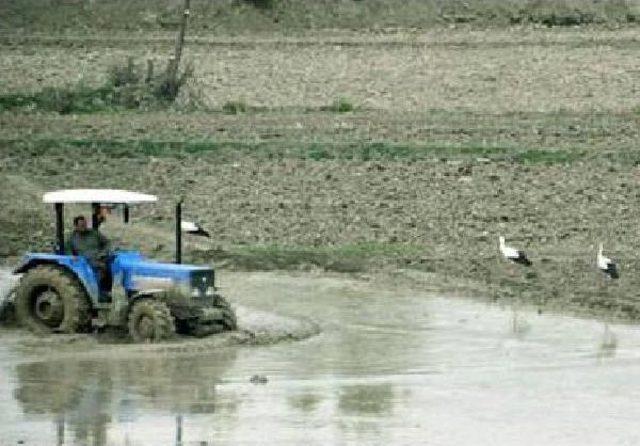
{"x":174,"y":63}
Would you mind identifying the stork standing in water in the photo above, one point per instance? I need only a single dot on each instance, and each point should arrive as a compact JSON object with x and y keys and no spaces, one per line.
{"x":193,"y":228}
{"x":513,"y":255}
{"x":606,"y":265}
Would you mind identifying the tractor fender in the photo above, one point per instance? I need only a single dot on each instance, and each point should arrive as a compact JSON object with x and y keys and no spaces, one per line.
{"x":77,"y":267}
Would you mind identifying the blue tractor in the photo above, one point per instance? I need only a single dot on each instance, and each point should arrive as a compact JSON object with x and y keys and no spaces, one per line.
{"x":62,"y":293}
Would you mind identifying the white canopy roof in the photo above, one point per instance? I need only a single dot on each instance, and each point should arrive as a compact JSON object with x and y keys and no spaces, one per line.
{"x":111,"y":196}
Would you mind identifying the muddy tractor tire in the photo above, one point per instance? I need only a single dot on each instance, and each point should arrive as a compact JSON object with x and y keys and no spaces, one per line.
{"x":49,"y":300}
{"x":221,"y":318}
{"x":150,"y":320}
{"x":213,"y":319}
{"x":229,"y":321}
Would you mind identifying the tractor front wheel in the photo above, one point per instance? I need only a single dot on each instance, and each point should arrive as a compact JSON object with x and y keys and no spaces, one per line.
{"x":229,"y":321}
{"x":150,"y":320}
{"x":49,"y":300}
{"x":215,"y":319}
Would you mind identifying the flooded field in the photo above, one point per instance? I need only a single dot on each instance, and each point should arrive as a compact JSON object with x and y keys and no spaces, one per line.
{"x":390,"y":365}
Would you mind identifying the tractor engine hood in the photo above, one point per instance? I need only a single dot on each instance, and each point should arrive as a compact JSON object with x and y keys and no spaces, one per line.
{"x":140,"y":274}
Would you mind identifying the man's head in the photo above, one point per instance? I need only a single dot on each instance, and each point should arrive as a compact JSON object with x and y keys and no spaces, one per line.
{"x":101,"y":213}
{"x":80,"y":223}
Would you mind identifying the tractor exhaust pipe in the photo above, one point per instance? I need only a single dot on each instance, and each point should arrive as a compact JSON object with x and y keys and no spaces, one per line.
{"x":179,"y":232}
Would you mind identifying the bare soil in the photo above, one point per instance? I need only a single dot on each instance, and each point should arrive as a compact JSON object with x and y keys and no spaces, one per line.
{"x":455,"y":139}
{"x":241,"y":17}
{"x":482,"y":71}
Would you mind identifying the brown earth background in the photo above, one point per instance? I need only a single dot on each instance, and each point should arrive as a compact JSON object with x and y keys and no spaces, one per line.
{"x":491,"y":118}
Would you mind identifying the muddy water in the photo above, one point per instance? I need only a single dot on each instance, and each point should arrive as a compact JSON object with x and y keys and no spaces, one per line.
{"x":390,"y":366}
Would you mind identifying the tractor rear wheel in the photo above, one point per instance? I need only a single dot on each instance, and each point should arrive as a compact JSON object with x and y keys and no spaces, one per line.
{"x":150,"y":320}
{"x":49,"y":300}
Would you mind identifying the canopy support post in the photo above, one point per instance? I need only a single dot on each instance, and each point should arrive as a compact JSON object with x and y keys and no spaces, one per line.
{"x":59,"y":208}
{"x":179,"y":232}
{"x":94,"y":215}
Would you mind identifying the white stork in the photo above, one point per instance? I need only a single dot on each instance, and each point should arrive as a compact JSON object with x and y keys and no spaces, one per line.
{"x":512,"y":254}
{"x":606,"y":265}
{"x":193,"y":228}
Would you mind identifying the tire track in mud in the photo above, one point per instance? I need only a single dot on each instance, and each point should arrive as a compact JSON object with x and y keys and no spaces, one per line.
{"x":254,"y":328}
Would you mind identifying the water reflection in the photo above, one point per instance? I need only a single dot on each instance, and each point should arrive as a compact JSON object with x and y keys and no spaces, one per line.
{"x":608,"y":344}
{"x":519,"y":324}
{"x":367,"y":399}
{"x":388,"y":368}
{"x":365,"y":409}
{"x":85,"y":397}
{"x":305,"y":402}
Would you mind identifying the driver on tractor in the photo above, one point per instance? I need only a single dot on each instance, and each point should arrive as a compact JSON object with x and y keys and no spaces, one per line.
{"x":95,"y":247}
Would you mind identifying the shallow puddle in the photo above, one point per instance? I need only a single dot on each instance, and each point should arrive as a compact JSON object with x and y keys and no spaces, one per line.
{"x":390,"y":366}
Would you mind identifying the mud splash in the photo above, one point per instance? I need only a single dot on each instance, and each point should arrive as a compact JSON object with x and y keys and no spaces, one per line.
{"x":7,"y":282}
{"x":255,"y":327}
